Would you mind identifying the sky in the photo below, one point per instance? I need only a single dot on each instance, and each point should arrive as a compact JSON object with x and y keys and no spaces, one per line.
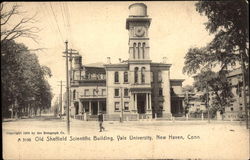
{"x":97,"y":30}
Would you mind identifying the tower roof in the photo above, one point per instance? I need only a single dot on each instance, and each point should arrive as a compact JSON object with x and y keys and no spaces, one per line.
{"x":138,"y":10}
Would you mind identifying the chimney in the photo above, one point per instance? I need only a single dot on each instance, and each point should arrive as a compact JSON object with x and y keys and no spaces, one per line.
{"x":108,"y":60}
{"x":120,"y":60}
{"x":164,"y":59}
{"x":78,"y":62}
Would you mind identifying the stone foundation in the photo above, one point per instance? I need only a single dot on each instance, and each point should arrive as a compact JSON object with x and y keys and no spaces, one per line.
{"x":116,"y":117}
{"x":167,"y":116}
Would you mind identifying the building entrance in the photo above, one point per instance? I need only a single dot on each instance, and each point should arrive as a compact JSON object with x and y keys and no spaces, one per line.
{"x":94,"y":108}
{"x":141,"y":103}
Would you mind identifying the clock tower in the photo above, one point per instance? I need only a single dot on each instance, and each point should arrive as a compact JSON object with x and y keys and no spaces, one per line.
{"x":138,"y":24}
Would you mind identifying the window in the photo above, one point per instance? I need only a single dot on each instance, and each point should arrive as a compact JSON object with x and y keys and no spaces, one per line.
{"x":159,"y":76}
{"x":103,"y":92}
{"x":117,"y":106}
{"x":160,"y":91}
{"x":74,"y":94}
{"x":136,"y":74}
{"x":86,"y":92}
{"x":134,"y":46}
{"x":125,"y":75}
{"x":126,"y":106}
{"x":232,"y":109}
{"x":125,"y":92}
{"x":139,"y":47}
{"x":116,"y":77}
{"x":116,"y":92}
{"x":143,"y":50}
{"x":241,"y":108}
{"x":143,"y":75}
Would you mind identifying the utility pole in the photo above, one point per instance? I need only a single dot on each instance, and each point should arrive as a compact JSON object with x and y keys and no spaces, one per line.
{"x":67,"y":87}
{"x":71,"y":53}
{"x":68,"y":81}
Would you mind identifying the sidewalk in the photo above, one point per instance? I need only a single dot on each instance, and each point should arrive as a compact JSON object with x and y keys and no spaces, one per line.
{"x":9,"y":119}
{"x":167,"y":122}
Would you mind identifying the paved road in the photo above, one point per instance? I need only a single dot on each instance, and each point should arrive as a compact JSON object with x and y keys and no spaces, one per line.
{"x":77,"y":126}
{"x":161,"y":139}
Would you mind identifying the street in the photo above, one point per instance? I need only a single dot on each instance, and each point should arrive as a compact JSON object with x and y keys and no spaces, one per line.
{"x":133,"y":139}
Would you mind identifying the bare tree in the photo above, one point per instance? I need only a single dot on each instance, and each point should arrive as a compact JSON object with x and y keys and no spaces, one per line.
{"x":22,"y":28}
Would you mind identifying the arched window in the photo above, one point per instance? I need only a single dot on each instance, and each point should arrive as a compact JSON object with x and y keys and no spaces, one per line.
{"x":134,"y":48}
{"x":125,"y":76}
{"x":136,"y":74}
{"x":143,"y":50}
{"x":139,"y":47}
{"x":116,"y":77}
{"x":74,"y":94}
{"x":143,"y":75}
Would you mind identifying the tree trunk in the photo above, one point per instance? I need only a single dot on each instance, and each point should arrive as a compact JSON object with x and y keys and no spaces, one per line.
{"x":29,"y":108}
{"x":35,"y":111}
{"x":12,"y":111}
{"x":220,"y":101}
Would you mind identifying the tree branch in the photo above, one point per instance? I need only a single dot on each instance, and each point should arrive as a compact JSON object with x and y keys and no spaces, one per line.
{"x":9,"y":14}
{"x":21,"y":29}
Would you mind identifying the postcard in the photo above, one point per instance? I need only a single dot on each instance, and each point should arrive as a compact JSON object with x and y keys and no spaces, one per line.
{"x":125,"y":80}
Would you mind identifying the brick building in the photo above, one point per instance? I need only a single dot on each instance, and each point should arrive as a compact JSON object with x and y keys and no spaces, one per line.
{"x":236,"y":107}
{"x":133,"y":89}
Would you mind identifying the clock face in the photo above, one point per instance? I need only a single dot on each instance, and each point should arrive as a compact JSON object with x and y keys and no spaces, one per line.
{"x":139,"y":31}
